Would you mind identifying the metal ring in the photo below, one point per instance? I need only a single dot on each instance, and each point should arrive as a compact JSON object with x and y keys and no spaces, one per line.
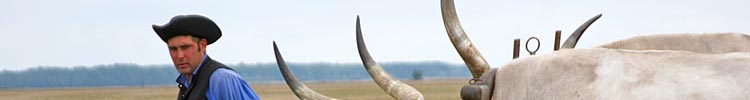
{"x":474,"y":80}
{"x":538,"y":44}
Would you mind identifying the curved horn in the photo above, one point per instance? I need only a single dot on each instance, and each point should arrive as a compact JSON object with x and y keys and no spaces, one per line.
{"x":297,"y":87}
{"x":471,"y":56}
{"x":392,"y":86}
{"x":573,"y":38}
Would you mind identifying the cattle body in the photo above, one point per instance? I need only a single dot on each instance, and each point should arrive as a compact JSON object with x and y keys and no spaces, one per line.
{"x":713,"y":66}
{"x":622,"y":74}
{"x":695,"y":42}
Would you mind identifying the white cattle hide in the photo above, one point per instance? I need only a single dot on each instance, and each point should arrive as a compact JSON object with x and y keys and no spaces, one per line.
{"x":620,"y":74}
{"x":702,"y":43}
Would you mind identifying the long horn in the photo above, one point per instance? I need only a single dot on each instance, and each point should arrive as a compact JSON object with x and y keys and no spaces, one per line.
{"x":297,"y":87}
{"x":573,"y":38}
{"x":471,"y":56}
{"x":392,"y":86}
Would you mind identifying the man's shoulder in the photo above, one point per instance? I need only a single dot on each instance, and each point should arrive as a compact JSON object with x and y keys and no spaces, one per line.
{"x":226,"y":84}
{"x":226,"y":78}
{"x":223,"y":73}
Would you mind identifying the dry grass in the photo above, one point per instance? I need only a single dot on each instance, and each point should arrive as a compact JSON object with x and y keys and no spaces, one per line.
{"x":446,"y":89}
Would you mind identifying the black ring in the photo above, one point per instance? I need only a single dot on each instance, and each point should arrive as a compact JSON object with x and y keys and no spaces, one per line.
{"x":538,"y":44}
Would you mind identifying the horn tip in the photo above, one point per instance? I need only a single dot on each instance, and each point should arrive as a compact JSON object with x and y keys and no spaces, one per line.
{"x":597,"y":16}
{"x":274,"y":44}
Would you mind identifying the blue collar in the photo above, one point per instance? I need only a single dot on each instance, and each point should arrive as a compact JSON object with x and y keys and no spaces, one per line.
{"x":201,"y":64}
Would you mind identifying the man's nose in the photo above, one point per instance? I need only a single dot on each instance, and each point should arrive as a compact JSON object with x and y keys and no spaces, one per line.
{"x":180,"y":54}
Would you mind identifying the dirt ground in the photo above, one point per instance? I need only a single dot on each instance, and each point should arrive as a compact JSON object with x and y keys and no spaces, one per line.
{"x":436,"y":89}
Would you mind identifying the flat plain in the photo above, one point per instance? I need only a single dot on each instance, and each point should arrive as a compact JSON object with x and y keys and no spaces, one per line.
{"x":432,"y":89}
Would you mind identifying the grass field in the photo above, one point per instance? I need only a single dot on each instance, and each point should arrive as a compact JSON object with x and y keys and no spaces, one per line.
{"x":443,"y":89}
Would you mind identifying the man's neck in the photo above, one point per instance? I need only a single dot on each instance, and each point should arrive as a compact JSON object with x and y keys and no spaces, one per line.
{"x":187,"y":77}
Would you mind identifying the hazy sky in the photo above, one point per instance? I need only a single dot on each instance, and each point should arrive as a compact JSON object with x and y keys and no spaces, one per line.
{"x":91,"y":32}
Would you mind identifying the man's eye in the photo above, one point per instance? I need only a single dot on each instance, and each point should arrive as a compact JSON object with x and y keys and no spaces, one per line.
{"x":172,"y":48}
{"x":184,"y":47}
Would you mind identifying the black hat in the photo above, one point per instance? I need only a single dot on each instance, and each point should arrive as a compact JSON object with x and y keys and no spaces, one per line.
{"x":195,"y":25}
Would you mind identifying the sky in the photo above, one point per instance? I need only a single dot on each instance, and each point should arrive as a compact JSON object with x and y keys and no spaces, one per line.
{"x":92,"y":32}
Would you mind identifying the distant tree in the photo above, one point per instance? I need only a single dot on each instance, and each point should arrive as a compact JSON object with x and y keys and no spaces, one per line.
{"x":417,"y":75}
{"x":128,"y":74}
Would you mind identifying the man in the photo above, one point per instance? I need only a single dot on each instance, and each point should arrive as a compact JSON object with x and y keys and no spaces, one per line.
{"x":201,"y":77}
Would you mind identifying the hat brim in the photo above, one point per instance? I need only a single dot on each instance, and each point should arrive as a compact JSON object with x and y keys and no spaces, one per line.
{"x":166,"y":33}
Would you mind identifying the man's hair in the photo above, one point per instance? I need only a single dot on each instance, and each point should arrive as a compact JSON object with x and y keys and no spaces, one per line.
{"x":197,"y":41}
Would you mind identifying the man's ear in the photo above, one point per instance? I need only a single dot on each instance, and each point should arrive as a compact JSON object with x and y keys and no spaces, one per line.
{"x":203,"y":44}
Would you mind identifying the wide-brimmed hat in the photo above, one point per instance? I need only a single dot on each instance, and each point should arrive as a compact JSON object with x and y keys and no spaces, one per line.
{"x":195,"y":25}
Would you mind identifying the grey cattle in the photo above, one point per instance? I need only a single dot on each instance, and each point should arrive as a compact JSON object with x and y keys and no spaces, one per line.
{"x":622,"y":74}
{"x":706,"y":66}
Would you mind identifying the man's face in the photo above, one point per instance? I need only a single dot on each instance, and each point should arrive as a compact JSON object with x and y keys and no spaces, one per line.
{"x":186,"y":53}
